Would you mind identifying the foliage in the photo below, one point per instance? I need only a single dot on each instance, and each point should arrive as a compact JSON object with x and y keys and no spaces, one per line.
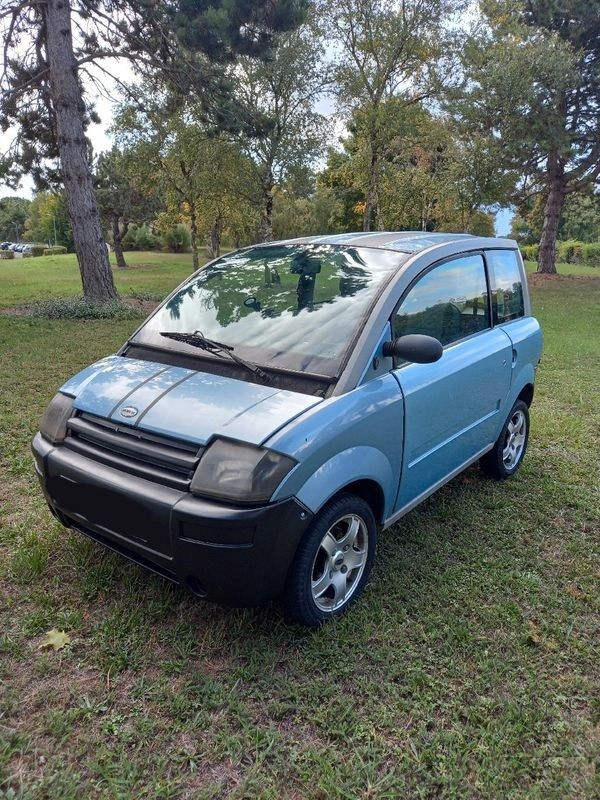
{"x":54,"y":639}
{"x":533,"y":83}
{"x":13,"y":213}
{"x":48,"y":215}
{"x":6,"y":254}
{"x":574,"y":252}
{"x":283,"y":91}
{"x":123,"y":199}
{"x":177,"y":239}
{"x":203,"y":179}
{"x":81,"y":308}
{"x":581,"y":216}
{"x":428,"y":178}
{"x":140,"y":237}
{"x":56,"y":250}
{"x":383,"y":51}
{"x":183,"y":44}
{"x":530,"y":252}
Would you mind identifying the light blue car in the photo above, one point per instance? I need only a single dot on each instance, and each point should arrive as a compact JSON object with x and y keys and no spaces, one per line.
{"x":289,"y":401}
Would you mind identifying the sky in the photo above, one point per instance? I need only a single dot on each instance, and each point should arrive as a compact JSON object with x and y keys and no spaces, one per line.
{"x":105,"y":97}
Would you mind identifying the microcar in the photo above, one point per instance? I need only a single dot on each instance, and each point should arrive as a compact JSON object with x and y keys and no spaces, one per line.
{"x":289,"y":401}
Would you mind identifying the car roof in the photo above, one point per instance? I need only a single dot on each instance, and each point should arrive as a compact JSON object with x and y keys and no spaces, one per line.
{"x":401,"y":241}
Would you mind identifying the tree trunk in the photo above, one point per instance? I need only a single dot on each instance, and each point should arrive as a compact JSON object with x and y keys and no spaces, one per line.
{"x":372,"y":197}
{"x":266,"y":216}
{"x":552,"y":214}
{"x":194,"y":236}
{"x":67,"y":102}
{"x":215,"y":237}
{"x":118,"y":235}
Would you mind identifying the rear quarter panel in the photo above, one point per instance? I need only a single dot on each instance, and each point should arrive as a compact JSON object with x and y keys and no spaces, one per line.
{"x":525,"y":335}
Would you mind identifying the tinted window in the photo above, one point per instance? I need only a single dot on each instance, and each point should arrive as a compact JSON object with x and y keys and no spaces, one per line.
{"x":506,"y":285}
{"x":448,"y":302}
{"x":290,"y":306}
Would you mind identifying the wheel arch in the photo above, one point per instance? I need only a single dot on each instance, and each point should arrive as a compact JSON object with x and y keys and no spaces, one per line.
{"x":526,"y":394}
{"x":370,"y":491}
{"x":363,"y":470}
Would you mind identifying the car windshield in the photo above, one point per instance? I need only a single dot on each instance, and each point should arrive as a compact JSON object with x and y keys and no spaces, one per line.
{"x":289,"y":306}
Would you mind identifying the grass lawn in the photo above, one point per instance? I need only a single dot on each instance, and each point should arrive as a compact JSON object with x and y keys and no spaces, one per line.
{"x":25,"y":280}
{"x":470,"y":668}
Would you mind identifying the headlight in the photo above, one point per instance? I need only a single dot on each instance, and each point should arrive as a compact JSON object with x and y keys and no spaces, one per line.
{"x":241,"y":472}
{"x":54,"y":422}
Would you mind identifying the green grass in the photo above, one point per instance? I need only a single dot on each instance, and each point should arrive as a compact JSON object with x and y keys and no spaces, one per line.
{"x":470,"y":668}
{"x":569,"y":269}
{"x":26,"y":280}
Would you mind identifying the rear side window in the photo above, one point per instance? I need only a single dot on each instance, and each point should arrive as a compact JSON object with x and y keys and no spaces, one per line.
{"x":506,"y":285}
{"x":449,"y":302}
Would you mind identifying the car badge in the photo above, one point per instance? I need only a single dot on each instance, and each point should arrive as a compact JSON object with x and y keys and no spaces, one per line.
{"x":129,"y":411}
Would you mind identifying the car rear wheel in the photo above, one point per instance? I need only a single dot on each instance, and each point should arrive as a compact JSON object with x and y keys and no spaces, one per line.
{"x":333,"y":561}
{"x":505,"y":458}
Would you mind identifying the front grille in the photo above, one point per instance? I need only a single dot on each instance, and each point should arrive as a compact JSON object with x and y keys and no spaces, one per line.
{"x":156,"y":458}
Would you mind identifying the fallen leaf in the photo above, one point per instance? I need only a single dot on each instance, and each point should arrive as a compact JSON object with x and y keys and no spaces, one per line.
{"x":55,"y":639}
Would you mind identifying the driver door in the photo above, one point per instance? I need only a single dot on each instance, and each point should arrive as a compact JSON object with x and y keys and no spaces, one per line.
{"x":451,"y":407}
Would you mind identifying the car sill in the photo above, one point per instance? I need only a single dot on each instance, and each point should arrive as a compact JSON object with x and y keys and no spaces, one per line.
{"x":424,"y":495}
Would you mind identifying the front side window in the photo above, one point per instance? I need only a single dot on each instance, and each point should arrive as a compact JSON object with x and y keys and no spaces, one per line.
{"x":449,"y":302}
{"x":289,"y":306}
{"x":506,"y":285}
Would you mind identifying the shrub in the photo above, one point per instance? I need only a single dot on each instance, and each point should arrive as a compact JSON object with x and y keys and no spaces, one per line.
{"x":37,"y":249}
{"x":7,"y":254}
{"x":26,"y":255}
{"x":82,"y":308}
{"x":140,"y":237}
{"x":570,"y":252}
{"x":591,"y":254}
{"x":530,"y":252}
{"x":55,"y":250}
{"x":177,"y":239}
{"x":145,"y":239}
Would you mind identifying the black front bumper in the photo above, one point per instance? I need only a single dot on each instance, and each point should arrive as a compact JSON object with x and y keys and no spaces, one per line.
{"x":237,"y":556}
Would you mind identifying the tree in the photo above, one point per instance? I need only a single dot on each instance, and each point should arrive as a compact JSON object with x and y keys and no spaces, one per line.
{"x":283,"y":91}
{"x":13,"y":213}
{"x":205,"y":179}
{"x":121,"y":199}
{"x":385,"y":49}
{"x":42,"y":94}
{"x":533,"y":83}
{"x":429,"y":177}
{"x":48,"y":220}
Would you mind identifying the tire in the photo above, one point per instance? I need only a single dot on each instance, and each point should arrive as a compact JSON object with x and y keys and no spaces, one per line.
{"x":505,"y":458}
{"x":325,"y":579}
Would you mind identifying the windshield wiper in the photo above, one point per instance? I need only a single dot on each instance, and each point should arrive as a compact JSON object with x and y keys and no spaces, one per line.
{"x":198,"y":339}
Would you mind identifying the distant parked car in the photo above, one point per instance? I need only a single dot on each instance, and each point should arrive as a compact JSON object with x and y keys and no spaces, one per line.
{"x":348,"y":378}
{"x":5,"y":245}
{"x":27,"y":248}
{"x":13,"y":246}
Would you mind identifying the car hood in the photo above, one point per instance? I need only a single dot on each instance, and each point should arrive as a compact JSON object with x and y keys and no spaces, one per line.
{"x":183,"y":403}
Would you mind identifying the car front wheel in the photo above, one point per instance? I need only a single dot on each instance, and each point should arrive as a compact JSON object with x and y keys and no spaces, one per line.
{"x":333,"y":561}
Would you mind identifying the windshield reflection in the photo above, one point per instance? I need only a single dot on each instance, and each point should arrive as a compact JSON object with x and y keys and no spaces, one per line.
{"x":290,"y":306}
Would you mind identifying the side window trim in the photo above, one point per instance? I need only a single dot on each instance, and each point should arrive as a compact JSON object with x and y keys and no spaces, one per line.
{"x":488,"y":272}
{"x":466,"y":253}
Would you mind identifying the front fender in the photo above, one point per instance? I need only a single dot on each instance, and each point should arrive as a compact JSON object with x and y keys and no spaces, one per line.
{"x":354,"y":464}
{"x":356,"y":436}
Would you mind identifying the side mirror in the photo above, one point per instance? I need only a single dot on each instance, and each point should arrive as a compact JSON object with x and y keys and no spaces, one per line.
{"x":414,"y":347}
